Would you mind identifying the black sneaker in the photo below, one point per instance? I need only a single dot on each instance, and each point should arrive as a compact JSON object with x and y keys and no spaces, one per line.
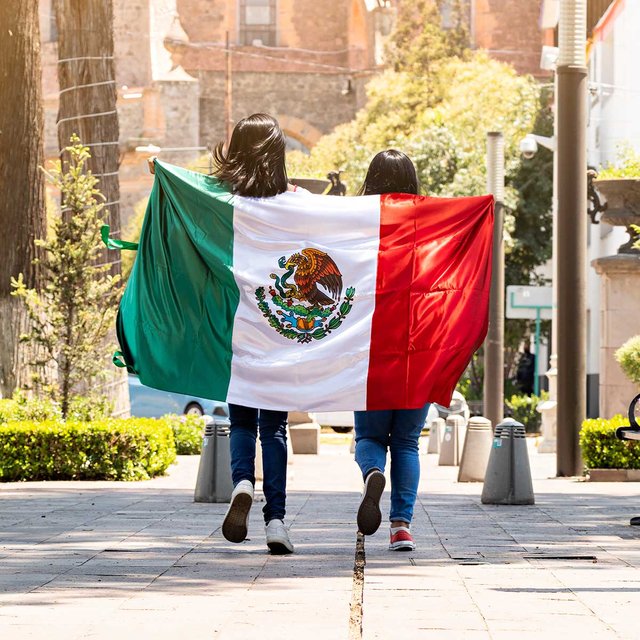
{"x":369,"y":515}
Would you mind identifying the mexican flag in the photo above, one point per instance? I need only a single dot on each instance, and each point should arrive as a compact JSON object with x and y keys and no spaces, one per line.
{"x":305,"y":302}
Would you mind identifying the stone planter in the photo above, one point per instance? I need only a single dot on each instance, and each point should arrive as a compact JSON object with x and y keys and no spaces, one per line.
{"x":620,"y":301}
{"x":614,"y":475}
{"x":623,"y":207}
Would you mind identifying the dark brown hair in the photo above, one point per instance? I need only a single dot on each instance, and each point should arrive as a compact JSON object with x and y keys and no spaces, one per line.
{"x":254,"y":163}
{"x":390,"y":171}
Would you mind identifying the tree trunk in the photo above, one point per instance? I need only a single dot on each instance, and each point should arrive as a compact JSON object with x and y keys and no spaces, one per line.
{"x":86,"y":57}
{"x":22,"y":206}
{"x":85,"y":52}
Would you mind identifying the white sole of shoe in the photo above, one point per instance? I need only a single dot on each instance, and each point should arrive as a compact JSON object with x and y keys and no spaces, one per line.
{"x":369,"y":514}
{"x":234,"y":526}
{"x":402,"y":546}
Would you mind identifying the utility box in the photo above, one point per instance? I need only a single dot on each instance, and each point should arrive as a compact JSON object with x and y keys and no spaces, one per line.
{"x":214,"y":482}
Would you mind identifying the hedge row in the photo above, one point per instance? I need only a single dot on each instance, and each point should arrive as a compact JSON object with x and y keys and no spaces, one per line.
{"x":110,"y":449}
{"x":187,"y":429}
{"x":602,"y":450}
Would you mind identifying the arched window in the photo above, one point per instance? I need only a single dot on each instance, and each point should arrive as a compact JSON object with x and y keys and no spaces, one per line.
{"x":258,"y":22}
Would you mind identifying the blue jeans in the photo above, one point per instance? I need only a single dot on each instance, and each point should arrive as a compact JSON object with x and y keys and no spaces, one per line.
{"x":245,"y":423}
{"x":399,"y":431}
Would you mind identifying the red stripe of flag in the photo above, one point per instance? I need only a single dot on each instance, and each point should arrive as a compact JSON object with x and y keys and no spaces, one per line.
{"x":432,"y":297}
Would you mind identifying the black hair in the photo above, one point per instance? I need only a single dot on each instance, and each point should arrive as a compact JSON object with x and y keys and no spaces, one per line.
{"x":390,"y":171}
{"x":254,"y":162}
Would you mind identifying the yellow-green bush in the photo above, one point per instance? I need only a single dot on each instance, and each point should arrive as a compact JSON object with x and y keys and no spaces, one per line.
{"x":524,"y":409}
{"x":187,"y":433}
{"x":38,"y":409}
{"x":110,"y":449}
{"x":602,"y":450}
{"x":628,"y":357}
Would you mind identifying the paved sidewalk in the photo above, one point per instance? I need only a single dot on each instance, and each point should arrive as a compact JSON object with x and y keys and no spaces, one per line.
{"x":142,"y":560}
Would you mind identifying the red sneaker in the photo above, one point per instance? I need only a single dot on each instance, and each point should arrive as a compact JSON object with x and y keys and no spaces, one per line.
{"x":401,"y":539}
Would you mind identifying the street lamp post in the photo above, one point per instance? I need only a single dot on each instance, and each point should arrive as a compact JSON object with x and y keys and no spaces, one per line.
{"x":548,"y":408}
{"x":494,"y":343}
{"x":572,"y":233}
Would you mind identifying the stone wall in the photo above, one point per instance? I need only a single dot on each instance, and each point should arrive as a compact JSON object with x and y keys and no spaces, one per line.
{"x":509,"y":30}
{"x":620,"y":301}
{"x":311,"y":25}
{"x":131,"y":41}
{"x":308,"y":102}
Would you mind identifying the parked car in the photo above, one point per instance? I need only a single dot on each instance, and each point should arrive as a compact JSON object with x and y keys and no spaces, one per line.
{"x":342,"y":421}
{"x":153,"y":403}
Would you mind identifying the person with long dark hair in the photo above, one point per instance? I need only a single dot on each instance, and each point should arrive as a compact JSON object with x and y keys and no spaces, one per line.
{"x":398,"y":431}
{"x":253,"y":165}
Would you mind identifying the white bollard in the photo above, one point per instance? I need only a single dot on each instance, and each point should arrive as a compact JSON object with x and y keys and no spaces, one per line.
{"x":476,"y":450}
{"x":452,"y":440}
{"x":436,"y":431}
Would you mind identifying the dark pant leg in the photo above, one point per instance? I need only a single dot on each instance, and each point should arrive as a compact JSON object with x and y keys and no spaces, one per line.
{"x":273,"y":438}
{"x":244,"y":428}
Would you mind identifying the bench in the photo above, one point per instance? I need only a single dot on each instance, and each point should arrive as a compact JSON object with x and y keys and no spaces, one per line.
{"x":632,"y":432}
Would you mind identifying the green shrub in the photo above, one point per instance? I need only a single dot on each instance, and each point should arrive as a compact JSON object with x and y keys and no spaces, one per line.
{"x":81,"y":409}
{"x":187,"y":433}
{"x":602,"y":450}
{"x":628,"y":357}
{"x":112,"y":449}
{"x":523,"y":409}
{"x":20,"y":408}
{"x":626,"y":166}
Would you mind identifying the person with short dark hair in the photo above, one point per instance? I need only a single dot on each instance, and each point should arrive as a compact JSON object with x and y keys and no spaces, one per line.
{"x":398,"y":431}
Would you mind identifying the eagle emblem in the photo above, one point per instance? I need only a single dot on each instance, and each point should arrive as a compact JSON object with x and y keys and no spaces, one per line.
{"x":310,"y":307}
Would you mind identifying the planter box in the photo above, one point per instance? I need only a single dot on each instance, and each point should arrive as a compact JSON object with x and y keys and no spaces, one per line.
{"x":623,"y":206}
{"x":614,"y":475}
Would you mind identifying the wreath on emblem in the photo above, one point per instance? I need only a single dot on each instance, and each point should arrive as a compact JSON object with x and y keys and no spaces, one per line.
{"x":301,"y":310}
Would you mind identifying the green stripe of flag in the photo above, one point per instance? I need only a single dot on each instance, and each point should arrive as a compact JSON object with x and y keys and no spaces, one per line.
{"x":173,"y":290}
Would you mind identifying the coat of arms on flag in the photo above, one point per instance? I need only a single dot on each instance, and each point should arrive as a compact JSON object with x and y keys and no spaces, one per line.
{"x":301,"y":310}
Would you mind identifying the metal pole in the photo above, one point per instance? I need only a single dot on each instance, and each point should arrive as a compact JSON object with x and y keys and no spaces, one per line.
{"x":228,"y":94}
{"x":572,"y":234}
{"x":536,"y":380}
{"x":494,"y":343}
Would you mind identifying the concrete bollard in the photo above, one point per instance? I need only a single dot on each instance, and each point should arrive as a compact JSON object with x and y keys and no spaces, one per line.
{"x":508,"y":476}
{"x":305,"y":438}
{"x":214,"y":483}
{"x":436,"y":431}
{"x":476,"y":451}
{"x":452,"y":440}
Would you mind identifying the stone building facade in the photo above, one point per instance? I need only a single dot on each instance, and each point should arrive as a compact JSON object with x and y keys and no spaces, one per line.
{"x":305,"y":61}
{"x":171,"y":65}
{"x":510,"y":31}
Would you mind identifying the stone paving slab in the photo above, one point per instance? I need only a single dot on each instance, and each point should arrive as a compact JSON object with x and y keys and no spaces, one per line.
{"x":91,"y":561}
